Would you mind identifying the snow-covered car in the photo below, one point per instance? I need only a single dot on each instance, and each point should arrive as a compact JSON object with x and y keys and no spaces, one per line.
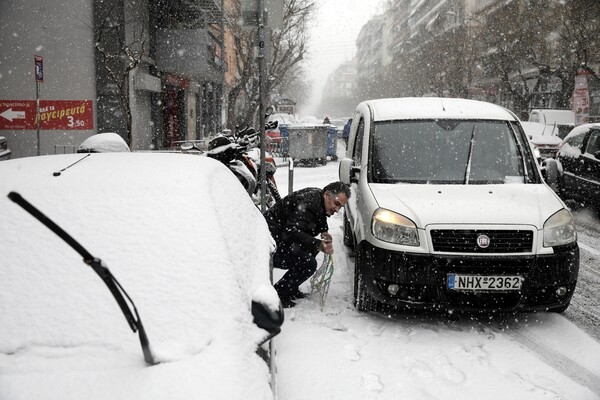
{"x":579,"y":165}
{"x":542,"y":139}
{"x":190,"y":252}
{"x":449,"y":210}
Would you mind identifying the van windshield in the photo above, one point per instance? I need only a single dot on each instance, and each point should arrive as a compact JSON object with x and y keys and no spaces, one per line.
{"x":447,"y":151}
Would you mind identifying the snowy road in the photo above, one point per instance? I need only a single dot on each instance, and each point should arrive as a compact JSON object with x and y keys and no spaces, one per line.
{"x":585,"y":306}
{"x":335,"y":352}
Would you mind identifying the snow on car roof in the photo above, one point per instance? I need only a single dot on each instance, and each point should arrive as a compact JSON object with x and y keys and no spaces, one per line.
{"x":581,"y":129}
{"x":104,"y":143}
{"x":435,"y":107}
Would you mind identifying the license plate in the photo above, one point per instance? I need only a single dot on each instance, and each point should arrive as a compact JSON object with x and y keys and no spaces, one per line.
{"x":484,"y":282}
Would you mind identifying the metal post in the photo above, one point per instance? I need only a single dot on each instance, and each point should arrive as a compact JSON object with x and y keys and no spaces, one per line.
{"x":290,"y":175}
{"x":37,"y":114}
{"x":222,"y":66}
{"x":261,"y":108}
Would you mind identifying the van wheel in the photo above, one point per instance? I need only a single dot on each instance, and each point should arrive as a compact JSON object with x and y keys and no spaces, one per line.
{"x":362,"y":300}
{"x":348,"y":240}
{"x":360,"y":297}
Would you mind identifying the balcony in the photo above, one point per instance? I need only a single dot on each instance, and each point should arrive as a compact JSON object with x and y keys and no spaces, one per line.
{"x":189,"y":52}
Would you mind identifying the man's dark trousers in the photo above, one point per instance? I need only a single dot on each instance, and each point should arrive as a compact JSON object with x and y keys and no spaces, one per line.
{"x":300,"y":266}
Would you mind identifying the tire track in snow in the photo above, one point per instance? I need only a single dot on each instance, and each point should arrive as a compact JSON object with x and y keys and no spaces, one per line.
{"x":589,"y":250}
{"x":568,"y":367}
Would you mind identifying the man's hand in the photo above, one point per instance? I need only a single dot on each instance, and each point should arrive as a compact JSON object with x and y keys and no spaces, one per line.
{"x":326,"y":245}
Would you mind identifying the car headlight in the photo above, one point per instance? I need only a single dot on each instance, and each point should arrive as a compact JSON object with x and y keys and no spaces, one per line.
{"x":394,"y":228}
{"x":559,"y":229}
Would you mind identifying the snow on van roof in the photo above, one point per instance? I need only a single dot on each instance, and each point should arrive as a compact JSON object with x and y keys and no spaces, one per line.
{"x":549,"y":117}
{"x":436,"y":107}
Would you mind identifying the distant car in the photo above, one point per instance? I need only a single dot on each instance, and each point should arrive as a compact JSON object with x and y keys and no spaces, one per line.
{"x":449,"y":210}
{"x":541,"y":138}
{"x":579,"y":165}
{"x":5,"y":153}
{"x":191,"y":255}
{"x":558,"y":122}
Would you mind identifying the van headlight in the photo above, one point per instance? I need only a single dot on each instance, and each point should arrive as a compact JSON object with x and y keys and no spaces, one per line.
{"x":394,"y":228}
{"x":559,"y":229}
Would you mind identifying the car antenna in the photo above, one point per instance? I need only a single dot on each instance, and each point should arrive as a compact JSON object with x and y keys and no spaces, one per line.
{"x":443,"y":107}
{"x":57,"y":173}
{"x":135,"y":323}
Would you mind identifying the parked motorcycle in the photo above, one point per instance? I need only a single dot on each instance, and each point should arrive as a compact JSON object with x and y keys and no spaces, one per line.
{"x":250,"y":138}
{"x":233,"y":156}
{"x":240,"y":153}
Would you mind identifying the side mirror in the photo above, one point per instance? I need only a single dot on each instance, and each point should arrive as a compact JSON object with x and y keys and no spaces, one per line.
{"x":597,"y":154}
{"x":354,"y":173}
{"x":267,"y":318}
{"x":269,"y":111}
{"x":550,"y":170}
{"x":348,"y":172}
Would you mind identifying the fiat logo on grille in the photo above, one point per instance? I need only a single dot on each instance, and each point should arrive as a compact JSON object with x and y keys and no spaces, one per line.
{"x":483,"y":241}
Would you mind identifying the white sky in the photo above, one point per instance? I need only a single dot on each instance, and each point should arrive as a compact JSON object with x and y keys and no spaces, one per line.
{"x":333,"y":36}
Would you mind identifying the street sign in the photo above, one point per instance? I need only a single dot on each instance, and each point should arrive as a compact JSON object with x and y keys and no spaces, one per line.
{"x":274,"y":9}
{"x":39,"y":68}
{"x":54,"y":115}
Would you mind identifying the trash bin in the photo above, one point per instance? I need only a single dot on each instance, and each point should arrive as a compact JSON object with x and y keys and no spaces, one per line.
{"x":307,"y":144}
{"x":332,"y":142}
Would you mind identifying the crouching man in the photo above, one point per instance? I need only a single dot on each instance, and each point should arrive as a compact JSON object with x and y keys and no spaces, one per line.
{"x":295,"y":222}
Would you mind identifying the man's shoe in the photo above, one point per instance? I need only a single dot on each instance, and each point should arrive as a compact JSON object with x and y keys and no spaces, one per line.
{"x":286,"y":302}
{"x":297,"y":294}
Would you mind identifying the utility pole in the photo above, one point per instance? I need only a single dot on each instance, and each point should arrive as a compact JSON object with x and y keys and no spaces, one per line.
{"x":39,"y":78}
{"x":261,"y":104}
{"x":261,"y":14}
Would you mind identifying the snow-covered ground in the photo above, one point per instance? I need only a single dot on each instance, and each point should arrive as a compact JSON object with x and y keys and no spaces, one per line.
{"x":336,"y":352}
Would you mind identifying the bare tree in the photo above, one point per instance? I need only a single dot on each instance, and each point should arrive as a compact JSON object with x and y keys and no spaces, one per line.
{"x":579,"y":30}
{"x":121,"y":42}
{"x":288,"y":51}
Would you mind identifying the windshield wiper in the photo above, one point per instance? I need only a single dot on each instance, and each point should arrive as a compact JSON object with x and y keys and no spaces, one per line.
{"x":135,"y":322}
{"x":470,"y":159}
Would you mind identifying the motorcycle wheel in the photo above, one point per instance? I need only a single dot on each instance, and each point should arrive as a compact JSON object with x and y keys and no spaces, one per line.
{"x":273,"y":192}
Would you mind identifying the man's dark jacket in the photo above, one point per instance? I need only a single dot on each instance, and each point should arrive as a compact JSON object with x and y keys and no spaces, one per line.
{"x":298,"y":218}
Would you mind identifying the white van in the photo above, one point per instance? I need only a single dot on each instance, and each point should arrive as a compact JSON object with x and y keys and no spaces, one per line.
{"x":449,"y":210}
{"x":557,"y":122}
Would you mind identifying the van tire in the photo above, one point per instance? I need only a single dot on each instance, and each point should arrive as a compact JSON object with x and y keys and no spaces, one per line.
{"x":360,"y":297}
{"x":362,"y":300}
{"x":348,"y":239}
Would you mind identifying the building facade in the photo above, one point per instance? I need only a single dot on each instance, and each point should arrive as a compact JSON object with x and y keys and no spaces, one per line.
{"x":483,"y":49}
{"x":152,"y":71}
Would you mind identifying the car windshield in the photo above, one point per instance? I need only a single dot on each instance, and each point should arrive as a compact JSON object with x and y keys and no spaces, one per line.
{"x":446,"y":151}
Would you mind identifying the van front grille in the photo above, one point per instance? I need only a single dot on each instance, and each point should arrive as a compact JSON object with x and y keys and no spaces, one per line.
{"x":466,"y":241}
